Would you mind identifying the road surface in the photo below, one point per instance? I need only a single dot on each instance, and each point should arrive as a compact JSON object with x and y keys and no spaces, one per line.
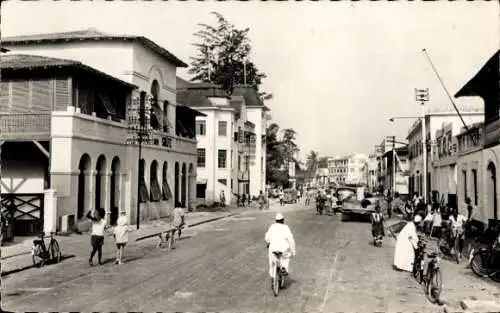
{"x":222,"y":266}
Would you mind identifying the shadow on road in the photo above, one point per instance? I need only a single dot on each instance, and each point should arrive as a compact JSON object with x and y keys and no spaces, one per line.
{"x":64,"y":257}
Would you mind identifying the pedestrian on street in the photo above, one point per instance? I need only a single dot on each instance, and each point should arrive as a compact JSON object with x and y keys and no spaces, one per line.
{"x":178,"y":222}
{"x":377,"y":220}
{"x":222,"y":199}
{"x":262,"y":200}
{"x":99,"y":226}
{"x":243,"y":199}
{"x":406,"y":243}
{"x":121,"y":236}
{"x":282,"y":198}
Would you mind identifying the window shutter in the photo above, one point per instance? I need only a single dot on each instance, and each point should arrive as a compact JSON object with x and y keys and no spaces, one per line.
{"x":20,"y":97}
{"x":41,"y":96}
{"x":62,"y":95}
{"x":4,"y":97}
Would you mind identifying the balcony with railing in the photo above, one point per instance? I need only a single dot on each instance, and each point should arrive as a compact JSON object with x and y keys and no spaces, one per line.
{"x":25,"y":126}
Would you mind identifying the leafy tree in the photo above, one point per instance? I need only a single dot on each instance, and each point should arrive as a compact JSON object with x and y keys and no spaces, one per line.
{"x":312,"y":163}
{"x":323,"y":162}
{"x":223,"y":52}
{"x":279,"y":153}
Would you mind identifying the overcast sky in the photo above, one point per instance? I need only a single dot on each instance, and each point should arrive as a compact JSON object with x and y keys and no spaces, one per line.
{"x":338,"y":70}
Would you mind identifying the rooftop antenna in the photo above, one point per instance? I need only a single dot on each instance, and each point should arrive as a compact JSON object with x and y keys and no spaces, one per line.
{"x":449,"y":96}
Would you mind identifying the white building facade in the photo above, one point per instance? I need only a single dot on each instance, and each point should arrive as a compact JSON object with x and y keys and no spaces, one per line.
{"x":231,"y":158}
{"x":434,"y":120}
{"x":97,"y":147}
{"x":351,"y":169}
{"x":484,"y":84}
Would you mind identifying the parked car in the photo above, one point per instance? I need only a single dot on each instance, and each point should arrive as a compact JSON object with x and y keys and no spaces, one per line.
{"x":354,"y":209}
{"x":290,"y":195}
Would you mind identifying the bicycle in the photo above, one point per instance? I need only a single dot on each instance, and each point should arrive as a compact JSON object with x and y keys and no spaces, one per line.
{"x":484,"y":263}
{"x":41,"y":254}
{"x":278,"y":281}
{"x":430,"y":277}
{"x":444,"y":244}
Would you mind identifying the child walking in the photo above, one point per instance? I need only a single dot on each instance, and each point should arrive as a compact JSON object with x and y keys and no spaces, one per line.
{"x":97,"y":235}
{"x":121,"y":237}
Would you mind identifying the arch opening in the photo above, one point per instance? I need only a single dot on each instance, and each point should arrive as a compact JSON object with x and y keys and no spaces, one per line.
{"x":492,"y":189}
{"x":99,"y":181}
{"x":183,"y":185}
{"x":114,"y":190}
{"x":84,"y":167}
{"x":154,"y":187}
{"x":176,"y":184}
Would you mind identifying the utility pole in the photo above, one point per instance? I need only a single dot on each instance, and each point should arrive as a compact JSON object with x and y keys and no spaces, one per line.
{"x":393,"y":165}
{"x":140,"y":171}
{"x":422,"y":96}
{"x":245,"y":71}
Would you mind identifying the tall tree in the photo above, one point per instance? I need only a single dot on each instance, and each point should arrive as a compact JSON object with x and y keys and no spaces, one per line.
{"x":312,"y":163}
{"x":280,"y":151}
{"x":323,"y":162}
{"x":223,"y":57}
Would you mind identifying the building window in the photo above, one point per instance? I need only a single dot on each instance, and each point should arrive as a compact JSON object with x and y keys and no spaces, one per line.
{"x":201,"y":157}
{"x":262,"y":164}
{"x":464,"y":175}
{"x":474,"y":178}
{"x":221,"y":160}
{"x":201,"y":128}
{"x":222,"y":181}
{"x":222,"y":128}
{"x":239,"y":162}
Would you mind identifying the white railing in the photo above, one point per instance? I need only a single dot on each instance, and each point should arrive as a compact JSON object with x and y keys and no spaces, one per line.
{"x":75,"y":124}
{"x":72,"y":123}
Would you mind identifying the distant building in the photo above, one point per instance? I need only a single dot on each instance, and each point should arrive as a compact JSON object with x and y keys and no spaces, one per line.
{"x":351,"y":169}
{"x":228,"y":158}
{"x":434,"y":119}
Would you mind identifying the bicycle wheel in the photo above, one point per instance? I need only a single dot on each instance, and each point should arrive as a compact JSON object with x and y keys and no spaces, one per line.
{"x":55,"y":252}
{"x":276,"y":280}
{"x":282,"y":281}
{"x":36,"y":256}
{"x":477,"y":263}
{"x":434,"y":285}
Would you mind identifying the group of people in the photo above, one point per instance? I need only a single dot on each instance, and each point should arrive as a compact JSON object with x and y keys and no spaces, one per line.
{"x":442,"y":221}
{"x":121,"y":231}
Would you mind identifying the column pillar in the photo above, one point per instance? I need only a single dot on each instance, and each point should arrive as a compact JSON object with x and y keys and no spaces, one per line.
{"x":106,"y":194}
{"x":90,"y":192}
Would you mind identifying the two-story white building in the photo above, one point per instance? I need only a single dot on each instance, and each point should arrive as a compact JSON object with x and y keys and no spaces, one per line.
{"x":98,"y":146}
{"x":484,"y":84}
{"x":229,"y":158}
{"x":434,"y":120}
{"x":444,"y":165}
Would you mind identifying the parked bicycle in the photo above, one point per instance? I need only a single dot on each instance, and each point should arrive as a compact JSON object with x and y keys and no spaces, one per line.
{"x":450,"y":244}
{"x":485,"y":261}
{"x":41,"y":254}
{"x":279,"y":277}
{"x":428,"y":273}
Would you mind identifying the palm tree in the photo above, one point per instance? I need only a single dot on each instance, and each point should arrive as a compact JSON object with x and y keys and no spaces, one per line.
{"x":312,"y":163}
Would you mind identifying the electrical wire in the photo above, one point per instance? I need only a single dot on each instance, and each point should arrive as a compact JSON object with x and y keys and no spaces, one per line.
{"x":449,"y":97}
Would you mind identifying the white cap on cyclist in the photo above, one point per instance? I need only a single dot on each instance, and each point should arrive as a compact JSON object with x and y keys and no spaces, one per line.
{"x":417,"y":218}
{"x":279,"y":217}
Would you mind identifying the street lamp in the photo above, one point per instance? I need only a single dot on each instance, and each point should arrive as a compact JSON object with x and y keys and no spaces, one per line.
{"x":422,"y":96}
{"x":138,"y":126}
